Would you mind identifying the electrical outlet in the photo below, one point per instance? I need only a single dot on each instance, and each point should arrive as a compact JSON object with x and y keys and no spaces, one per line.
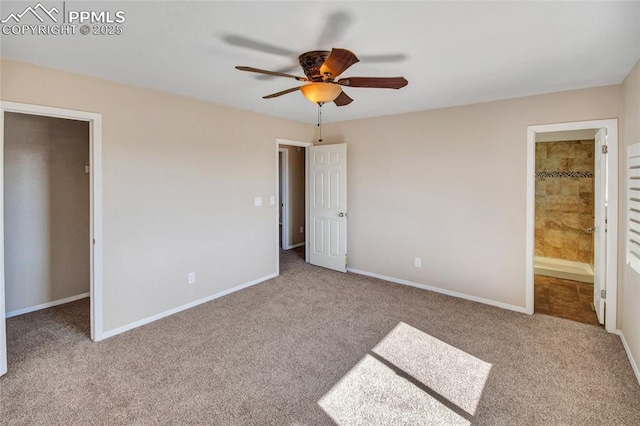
{"x":418,"y":262}
{"x":272,"y":200}
{"x":257,"y":201}
{"x":192,"y":277}
{"x":302,"y":229}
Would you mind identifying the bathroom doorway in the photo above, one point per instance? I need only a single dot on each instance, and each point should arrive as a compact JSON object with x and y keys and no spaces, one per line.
{"x":572,"y":224}
{"x":564,"y":253}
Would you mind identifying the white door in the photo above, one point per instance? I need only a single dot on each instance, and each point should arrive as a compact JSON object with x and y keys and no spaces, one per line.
{"x":600,"y":222}
{"x":328,"y":206}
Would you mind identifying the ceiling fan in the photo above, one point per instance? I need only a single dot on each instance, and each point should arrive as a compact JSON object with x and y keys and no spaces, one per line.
{"x":321,"y":68}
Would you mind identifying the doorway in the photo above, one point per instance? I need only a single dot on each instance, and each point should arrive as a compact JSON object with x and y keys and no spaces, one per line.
{"x":565,"y":243}
{"x":292,"y":196}
{"x":32,"y":166}
{"x":572,"y":221}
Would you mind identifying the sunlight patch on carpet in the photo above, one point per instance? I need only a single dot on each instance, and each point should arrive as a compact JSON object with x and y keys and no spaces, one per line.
{"x":452,"y":373}
{"x":410,"y":378}
{"x":372,"y":393}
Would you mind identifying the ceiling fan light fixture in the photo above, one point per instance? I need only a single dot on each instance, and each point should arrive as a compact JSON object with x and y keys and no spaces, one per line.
{"x":320,"y":93}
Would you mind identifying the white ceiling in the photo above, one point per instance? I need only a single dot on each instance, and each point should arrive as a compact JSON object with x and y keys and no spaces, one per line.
{"x":452,"y":53}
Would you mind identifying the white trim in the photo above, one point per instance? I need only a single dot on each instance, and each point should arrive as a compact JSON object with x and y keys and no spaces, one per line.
{"x":296,"y":245}
{"x":189,"y":305}
{"x":306,"y":193}
{"x":634,"y":365}
{"x":293,"y":143}
{"x":611,"y":279}
{"x":95,"y":163}
{"x":3,"y":328}
{"x":284,"y":187}
{"x":519,"y":309}
{"x":47,"y":305}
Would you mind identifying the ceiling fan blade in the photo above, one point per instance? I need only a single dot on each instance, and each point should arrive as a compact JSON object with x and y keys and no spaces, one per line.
{"x":284,"y":92}
{"x":338,"y":61}
{"x":281,"y":70}
{"x":343,"y":99}
{"x":334,"y":29}
{"x":276,"y":73}
{"x":391,"y":57}
{"x":374,"y":82}
{"x":260,"y":46}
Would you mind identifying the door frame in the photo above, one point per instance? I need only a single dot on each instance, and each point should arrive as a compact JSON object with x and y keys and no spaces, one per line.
{"x":95,"y":194}
{"x":611,"y":251}
{"x":283,"y":185}
{"x":306,"y":195}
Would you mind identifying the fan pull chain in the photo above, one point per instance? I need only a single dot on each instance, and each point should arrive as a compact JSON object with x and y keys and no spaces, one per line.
{"x":320,"y":121}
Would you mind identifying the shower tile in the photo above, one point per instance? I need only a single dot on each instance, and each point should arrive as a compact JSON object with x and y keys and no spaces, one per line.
{"x":580,"y":165}
{"x":571,"y":204}
{"x":554,"y":165}
{"x":553,"y":238}
{"x":553,"y":204}
{"x":571,"y":253}
{"x":541,"y":150}
{"x":551,"y":251}
{"x":586,"y":184}
{"x":570,"y":186}
{"x":586,"y":220}
{"x":559,"y":150}
{"x":585,"y":243}
{"x":553,"y":224}
{"x":586,"y":202}
{"x":571,"y":221}
{"x":554,"y":186}
{"x":582,"y":150}
{"x":585,"y":256}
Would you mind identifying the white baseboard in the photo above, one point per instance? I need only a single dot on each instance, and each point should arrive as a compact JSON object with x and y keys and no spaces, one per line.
{"x":296,"y":245}
{"x":515,"y":308}
{"x":46,"y":305}
{"x":155,"y":317}
{"x":634,"y":365}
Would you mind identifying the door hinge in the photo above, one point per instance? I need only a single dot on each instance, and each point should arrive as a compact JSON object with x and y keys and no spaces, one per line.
{"x":605,"y":149}
{"x":87,"y":169}
{"x":603,"y":294}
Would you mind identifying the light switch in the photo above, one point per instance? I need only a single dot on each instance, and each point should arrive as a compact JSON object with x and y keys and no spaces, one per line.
{"x":272,"y":200}
{"x":258,"y":201}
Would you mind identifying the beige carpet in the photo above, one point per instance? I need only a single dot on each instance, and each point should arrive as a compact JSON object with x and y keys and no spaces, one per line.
{"x":319,"y":347}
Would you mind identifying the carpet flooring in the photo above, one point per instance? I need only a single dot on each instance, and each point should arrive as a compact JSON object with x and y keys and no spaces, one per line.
{"x":315,"y":347}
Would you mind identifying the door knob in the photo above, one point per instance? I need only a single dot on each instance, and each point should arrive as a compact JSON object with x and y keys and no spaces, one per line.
{"x":340,"y":214}
{"x":591,"y":229}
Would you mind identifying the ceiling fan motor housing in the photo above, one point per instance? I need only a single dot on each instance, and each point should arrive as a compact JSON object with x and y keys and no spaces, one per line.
{"x":311,"y":63}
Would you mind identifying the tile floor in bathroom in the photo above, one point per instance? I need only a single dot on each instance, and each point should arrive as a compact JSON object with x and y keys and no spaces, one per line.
{"x":565,"y":299}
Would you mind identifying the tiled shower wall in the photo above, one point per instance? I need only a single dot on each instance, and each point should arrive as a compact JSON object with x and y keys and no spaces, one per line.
{"x":564,"y":200}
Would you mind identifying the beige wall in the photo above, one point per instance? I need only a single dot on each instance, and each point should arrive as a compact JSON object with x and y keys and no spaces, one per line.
{"x":46,"y":205}
{"x":449,"y":186}
{"x":629,"y":289}
{"x":445,"y":185}
{"x":296,"y":193}
{"x":180,"y":177}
